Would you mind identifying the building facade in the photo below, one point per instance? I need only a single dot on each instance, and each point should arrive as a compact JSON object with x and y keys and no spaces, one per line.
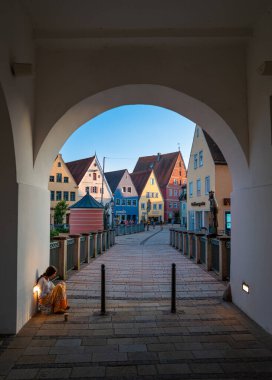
{"x":207,"y":171}
{"x":62,"y":187}
{"x":150,"y":199}
{"x":125,"y":196}
{"x":170,"y":172}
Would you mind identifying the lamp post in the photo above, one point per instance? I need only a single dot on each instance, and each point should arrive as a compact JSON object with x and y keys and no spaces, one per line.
{"x":112,"y":213}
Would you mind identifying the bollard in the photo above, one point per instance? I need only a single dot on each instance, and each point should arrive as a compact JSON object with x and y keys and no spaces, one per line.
{"x":173,"y":300}
{"x":103,"y":291}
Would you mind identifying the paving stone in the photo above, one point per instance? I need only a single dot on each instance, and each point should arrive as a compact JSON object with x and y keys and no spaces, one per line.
{"x":54,"y":373}
{"x":171,"y":369}
{"x":119,"y":371}
{"x":68,"y":342}
{"x":85,"y":372}
{"x":74,"y":358}
{"x":161,"y":347}
{"x":176,"y":355}
{"x":17,"y":374}
{"x":109,"y":357}
{"x":146,"y":370}
{"x":208,"y":368}
{"x":132,"y":348}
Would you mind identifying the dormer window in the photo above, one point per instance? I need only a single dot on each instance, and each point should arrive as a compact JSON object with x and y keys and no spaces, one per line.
{"x":59,"y":164}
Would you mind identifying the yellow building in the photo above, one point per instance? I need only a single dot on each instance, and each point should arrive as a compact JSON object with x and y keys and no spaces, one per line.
{"x":151,"y":203}
{"x":207,"y":171}
{"x":62,"y":186}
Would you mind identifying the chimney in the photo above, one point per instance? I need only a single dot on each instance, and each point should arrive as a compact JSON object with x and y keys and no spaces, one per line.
{"x":158,"y":157}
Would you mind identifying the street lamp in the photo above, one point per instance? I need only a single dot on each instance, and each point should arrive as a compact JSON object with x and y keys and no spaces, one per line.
{"x":112,"y":213}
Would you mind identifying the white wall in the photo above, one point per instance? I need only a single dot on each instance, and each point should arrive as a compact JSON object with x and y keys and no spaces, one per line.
{"x":252,"y":207}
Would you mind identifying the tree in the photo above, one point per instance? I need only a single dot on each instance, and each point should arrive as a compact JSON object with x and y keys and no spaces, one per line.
{"x":60,"y":211}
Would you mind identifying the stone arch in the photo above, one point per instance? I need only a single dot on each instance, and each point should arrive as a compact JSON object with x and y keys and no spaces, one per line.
{"x":156,"y":95}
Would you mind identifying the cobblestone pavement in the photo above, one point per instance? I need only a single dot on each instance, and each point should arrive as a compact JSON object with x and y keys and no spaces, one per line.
{"x":139,"y":338}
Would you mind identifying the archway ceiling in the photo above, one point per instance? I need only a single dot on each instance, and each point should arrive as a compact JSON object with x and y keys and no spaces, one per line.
{"x":141,"y":18}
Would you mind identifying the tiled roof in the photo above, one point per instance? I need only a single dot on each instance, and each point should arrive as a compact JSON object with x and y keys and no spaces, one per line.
{"x":87,"y":202}
{"x":216,"y":153}
{"x":139,"y":179}
{"x":162,"y":164}
{"x":78,"y":168}
{"x":114,"y":178}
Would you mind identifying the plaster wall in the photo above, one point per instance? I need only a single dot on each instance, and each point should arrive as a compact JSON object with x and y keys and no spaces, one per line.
{"x":223,"y":189}
{"x":251,"y":259}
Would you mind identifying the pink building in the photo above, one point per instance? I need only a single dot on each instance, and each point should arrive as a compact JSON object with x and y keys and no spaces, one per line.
{"x":86,"y":215}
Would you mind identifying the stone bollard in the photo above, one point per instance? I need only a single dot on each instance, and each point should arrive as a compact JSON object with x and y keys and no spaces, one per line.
{"x":76,"y":256}
{"x":185,"y":243}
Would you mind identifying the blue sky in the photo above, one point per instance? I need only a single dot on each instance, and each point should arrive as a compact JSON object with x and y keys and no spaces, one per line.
{"x":125,"y":133}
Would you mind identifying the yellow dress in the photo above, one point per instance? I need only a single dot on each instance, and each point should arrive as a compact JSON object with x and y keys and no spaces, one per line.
{"x":52,"y":298}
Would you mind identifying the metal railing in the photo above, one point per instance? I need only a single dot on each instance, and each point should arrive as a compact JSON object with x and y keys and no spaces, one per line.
{"x":54,"y":253}
{"x":127,"y":229}
{"x":215,"y":255}
{"x":82,"y":249}
{"x":70,"y":254}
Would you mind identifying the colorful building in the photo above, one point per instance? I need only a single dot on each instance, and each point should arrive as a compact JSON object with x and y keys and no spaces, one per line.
{"x":207,"y":171}
{"x":62,"y":186}
{"x":170,"y":172}
{"x":125,"y":196}
{"x":150,"y":199}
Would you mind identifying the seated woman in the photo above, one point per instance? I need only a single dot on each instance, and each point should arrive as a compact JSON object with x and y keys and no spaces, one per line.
{"x":51,"y":298}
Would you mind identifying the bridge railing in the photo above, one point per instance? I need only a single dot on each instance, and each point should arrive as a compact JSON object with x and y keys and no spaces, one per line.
{"x":127,"y":229}
{"x":68,"y":253}
{"x":213,"y":252}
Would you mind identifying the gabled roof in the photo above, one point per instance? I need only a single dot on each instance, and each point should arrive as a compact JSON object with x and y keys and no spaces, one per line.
{"x":78,"y":168}
{"x":140,"y":179}
{"x":216,"y":153}
{"x":114,"y":178}
{"x":162,"y":164}
{"x":87,"y":202}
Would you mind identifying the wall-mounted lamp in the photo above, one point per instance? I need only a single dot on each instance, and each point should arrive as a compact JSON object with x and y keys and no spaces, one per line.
{"x":245,"y":287}
{"x":21,"y":69}
{"x":265,"y":68}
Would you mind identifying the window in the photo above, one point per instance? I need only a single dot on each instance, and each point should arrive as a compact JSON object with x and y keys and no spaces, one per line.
{"x":58,"y":195}
{"x":134,"y":202}
{"x":170,"y":192}
{"x":170,"y":205}
{"x":175,"y":205}
{"x":175,"y":181}
{"x":157,"y":195}
{"x":87,"y":189}
{"x":190,"y":189}
{"x":129,"y":189}
{"x":175,"y":192}
{"x":201,"y":158}
{"x":59,"y":164}
{"x":197,"y":132}
{"x":65,"y":179}
{"x":198,"y":187}
{"x":154,"y":206}
{"x":147,"y":195}
{"x":142,"y":206}
{"x":152,"y":181}
{"x":94,"y":176}
{"x":117,"y":202}
{"x":94,"y":189}
{"x":180,"y":173}
{"x":207,"y":185}
{"x":129,"y":202}
{"x":66,"y":195}
{"x":123,"y":202}
{"x":59,"y":177}
{"x":72,"y":196}
{"x":180,"y":164}
{"x":52,"y":195}
{"x":124,"y":189}
{"x":51,"y":178}
{"x":195,"y":161}
{"x":160,"y":206}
